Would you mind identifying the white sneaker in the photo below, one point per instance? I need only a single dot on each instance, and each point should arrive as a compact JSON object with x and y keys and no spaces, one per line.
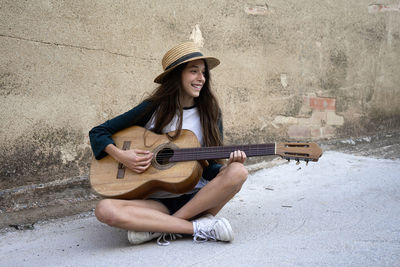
{"x":162,"y":240}
{"x":212,"y":229}
{"x":206,"y":217}
{"x":136,"y":238}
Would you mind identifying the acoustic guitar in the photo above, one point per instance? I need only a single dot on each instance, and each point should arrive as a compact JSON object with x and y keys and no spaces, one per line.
{"x":175,"y":165}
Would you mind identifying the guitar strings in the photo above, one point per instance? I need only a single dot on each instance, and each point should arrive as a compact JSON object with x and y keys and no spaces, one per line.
{"x":200,"y":150}
{"x":186,"y":153}
{"x":222,"y":150}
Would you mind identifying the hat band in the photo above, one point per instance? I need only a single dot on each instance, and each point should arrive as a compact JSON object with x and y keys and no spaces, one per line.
{"x":184,"y":58}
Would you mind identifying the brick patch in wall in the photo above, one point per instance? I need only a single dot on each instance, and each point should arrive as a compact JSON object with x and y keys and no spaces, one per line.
{"x":319,"y":103}
{"x":321,"y":123}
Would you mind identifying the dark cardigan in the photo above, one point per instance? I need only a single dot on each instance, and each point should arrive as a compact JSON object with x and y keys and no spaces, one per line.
{"x":100,"y":136}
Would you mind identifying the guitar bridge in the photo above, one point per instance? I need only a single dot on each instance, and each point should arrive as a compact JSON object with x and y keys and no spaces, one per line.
{"x":121,"y":167}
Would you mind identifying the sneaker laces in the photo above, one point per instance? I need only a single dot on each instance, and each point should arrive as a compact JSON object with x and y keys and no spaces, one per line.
{"x":203,"y":235}
{"x":162,"y":239}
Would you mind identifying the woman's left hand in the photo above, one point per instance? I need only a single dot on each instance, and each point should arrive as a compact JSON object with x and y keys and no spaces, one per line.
{"x":237,"y":156}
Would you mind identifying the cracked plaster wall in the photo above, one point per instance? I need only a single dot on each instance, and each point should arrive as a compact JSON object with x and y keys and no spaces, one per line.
{"x":290,"y":70}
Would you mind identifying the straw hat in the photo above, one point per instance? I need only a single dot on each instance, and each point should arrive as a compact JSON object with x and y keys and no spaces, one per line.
{"x":180,"y":54}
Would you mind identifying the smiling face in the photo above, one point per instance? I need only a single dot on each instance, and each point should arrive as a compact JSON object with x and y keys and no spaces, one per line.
{"x":193,"y":79}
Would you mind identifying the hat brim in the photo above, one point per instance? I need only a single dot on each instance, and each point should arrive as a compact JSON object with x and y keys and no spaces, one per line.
{"x":212,"y":62}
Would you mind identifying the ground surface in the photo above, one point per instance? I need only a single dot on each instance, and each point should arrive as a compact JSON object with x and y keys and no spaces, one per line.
{"x":342,"y":211}
{"x":23,"y":206}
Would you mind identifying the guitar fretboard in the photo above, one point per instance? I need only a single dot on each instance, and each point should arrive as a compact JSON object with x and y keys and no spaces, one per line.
{"x":221,"y":152}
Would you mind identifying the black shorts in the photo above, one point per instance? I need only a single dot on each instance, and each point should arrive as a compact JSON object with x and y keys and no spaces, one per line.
{"x":175,"y":203}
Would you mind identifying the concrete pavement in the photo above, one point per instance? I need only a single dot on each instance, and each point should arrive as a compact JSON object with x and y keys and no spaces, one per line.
{"x":342,"y":211}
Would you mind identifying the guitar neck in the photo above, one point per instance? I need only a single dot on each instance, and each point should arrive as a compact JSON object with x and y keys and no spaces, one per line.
{"x":221,"y":152}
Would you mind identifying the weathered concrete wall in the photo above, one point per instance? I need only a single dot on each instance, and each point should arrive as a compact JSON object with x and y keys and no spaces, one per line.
{"x":292,"y":69}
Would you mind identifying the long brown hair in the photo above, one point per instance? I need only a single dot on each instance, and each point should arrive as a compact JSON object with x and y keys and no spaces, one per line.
{"x":166,"y":98}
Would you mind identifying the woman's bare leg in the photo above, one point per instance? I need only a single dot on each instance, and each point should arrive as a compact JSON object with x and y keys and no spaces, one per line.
{"x":140,"y":215}
{"x":152,"y":216}
{"x":213,"y":197}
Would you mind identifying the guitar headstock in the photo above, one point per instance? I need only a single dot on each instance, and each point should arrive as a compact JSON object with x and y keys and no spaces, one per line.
{"x":299,"y":151}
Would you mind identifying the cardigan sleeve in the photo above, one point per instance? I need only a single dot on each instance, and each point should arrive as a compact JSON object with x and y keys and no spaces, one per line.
{"x":100,"y":136}
{"x":213,"y":168}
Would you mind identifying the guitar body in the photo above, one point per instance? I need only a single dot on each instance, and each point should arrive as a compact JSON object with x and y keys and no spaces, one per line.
{"x":112,"y":180}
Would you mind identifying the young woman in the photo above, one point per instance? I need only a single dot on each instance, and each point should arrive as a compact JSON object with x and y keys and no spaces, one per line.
{"x":183,"y":100}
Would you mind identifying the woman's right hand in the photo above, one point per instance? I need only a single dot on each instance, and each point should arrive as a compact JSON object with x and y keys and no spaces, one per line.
{"x":136,"y":160}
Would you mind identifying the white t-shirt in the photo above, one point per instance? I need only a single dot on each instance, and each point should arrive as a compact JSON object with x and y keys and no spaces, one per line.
{"x":191,"y":121}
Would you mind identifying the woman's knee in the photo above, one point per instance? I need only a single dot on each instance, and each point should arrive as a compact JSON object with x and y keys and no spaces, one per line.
{"x":104,"y":211}
{"x":239,"y":171}
{"x":236,"y":174}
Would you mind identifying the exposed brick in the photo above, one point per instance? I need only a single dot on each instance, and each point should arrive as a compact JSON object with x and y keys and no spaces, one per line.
{"x":323,"y":104}
{"x":321,"y":122}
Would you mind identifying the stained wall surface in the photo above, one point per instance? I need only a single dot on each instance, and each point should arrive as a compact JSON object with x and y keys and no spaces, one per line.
{"x":291,"y":70}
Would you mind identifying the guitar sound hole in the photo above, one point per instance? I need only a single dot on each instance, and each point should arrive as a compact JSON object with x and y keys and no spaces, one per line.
{"x":164,"y":155}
